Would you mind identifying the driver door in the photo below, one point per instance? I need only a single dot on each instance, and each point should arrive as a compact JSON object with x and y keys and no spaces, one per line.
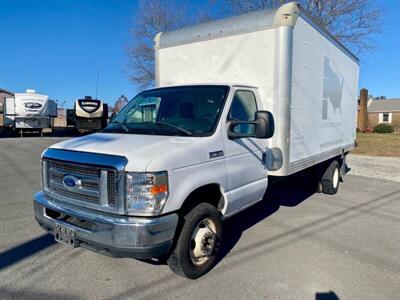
{"x":247,"y":175}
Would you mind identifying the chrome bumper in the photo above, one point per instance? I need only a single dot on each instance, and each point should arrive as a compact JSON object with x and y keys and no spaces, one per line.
{"x":115,"y":235}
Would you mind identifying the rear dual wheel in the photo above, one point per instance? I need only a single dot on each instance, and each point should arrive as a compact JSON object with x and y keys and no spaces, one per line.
{"x":322,"y":178}
{"x":196,"y":250}
{"x":331,"y":178}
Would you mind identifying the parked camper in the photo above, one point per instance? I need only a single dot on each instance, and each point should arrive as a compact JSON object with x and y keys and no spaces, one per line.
{"x":278,"y":97}
{"x":90,"y":114}
{"x":29,"y":111}
{"x":4,"y":94}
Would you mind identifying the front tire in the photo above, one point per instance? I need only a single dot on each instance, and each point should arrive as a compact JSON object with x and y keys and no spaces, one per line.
{"x":196,"y":250}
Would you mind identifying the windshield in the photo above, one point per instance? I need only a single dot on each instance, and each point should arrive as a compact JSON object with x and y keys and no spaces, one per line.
{"x":185,"y":111}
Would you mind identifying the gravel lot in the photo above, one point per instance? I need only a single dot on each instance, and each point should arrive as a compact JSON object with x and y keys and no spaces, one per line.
{"x":375,"y":167}
{"x":292,"y":245}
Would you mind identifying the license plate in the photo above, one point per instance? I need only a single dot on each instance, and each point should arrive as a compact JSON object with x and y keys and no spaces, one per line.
{"x":64,"y":235}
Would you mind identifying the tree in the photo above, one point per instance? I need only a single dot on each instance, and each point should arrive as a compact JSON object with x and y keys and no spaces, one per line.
{"x":152,"y":17}
{"x":119,"y":104}
{"x":352,"y":22}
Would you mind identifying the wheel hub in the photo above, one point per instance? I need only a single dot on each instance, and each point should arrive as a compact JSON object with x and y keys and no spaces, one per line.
{"x":335,"y":178}
{"x":203,"y":242}
{"x":207,"y":243}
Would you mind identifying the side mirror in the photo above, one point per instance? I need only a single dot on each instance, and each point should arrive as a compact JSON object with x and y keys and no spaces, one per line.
{"x":264,"y":126}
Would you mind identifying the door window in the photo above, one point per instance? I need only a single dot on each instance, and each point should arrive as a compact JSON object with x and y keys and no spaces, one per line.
{"x":243,"y":108}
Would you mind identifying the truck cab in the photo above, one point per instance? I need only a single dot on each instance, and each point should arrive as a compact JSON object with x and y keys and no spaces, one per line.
{"x":126,"y":191}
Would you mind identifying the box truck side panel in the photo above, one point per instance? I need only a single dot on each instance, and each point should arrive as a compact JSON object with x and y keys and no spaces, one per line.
{"x":324,"y":98}
{"x":246,"y":59}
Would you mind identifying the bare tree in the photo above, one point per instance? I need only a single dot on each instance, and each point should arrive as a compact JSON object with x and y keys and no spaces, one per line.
{"x":119,"y":104}
{"x":152,"y":17}
{"x":352,"y":22}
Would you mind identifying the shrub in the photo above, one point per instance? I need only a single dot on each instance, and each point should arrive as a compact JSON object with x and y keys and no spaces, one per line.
{"x":383,"y":128}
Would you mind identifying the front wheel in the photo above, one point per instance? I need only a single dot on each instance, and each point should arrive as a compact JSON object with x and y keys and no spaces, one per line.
{"x":197,"y":247}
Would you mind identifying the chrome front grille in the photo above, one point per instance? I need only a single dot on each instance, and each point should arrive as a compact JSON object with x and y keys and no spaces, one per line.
{"x":112,"y":187}
{"x":97,"y":185}
{"x":73,"y":168}
{"x":58,"y":177}
{"x":78,"y":196}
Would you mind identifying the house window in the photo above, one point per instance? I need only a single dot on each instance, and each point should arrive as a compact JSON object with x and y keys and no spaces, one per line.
{"x":385,"y":117}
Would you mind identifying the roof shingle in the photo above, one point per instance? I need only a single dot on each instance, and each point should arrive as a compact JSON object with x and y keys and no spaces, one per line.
{"x":386,"y":105}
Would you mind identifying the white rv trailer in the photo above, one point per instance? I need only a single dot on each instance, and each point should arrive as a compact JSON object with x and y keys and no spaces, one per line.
{"x":29,"y":111}
{"x":90,"y":114}
{"x":278,"y":96}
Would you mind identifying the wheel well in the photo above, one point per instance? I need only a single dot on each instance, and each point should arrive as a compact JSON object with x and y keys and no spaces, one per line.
{"x":319,"y":169}
{"x":210,"y":193}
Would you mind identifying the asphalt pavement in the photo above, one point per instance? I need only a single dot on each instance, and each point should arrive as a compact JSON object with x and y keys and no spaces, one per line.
{"x":292,"y":245}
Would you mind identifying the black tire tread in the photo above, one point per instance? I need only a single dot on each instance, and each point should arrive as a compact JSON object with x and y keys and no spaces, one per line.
{"x":327,"y":179}
{"x":178,"y":261}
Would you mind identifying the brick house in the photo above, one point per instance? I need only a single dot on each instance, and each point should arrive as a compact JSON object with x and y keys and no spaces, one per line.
{"x":384,"y":111}
{"x":3,"y":94}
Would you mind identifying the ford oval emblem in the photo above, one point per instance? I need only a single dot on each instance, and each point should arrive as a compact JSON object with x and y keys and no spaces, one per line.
{"x":71,"y":182}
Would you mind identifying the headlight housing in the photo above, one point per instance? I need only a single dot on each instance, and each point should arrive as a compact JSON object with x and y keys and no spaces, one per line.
{"x":146,"y":193}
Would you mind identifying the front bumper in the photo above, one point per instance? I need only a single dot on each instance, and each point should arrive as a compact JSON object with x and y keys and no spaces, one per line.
{"x":115,"y":235}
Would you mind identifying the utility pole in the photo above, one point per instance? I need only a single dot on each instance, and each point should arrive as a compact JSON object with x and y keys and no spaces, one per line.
{"x":97,"y":82}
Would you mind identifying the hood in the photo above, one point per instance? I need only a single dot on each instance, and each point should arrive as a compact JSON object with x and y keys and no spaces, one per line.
{"x":145,"y":152}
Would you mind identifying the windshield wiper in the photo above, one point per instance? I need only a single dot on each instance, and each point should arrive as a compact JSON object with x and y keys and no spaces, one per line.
{"x":187,"y":132}
{"x":121,"y":125}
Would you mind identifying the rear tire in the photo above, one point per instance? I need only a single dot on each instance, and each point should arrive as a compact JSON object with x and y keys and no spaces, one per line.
{"x":331,"y":179}
{"x":196,"y":250}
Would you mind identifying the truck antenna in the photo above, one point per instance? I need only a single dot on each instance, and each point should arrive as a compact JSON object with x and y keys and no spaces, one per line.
{"x":97,"y":82}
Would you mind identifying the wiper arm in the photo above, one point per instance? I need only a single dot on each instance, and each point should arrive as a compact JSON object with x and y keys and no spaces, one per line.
{"x":187,"y":132}
{"x":121,"y":125}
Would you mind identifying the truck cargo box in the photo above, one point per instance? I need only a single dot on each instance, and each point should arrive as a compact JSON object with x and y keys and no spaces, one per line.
{"x":305,"y":77}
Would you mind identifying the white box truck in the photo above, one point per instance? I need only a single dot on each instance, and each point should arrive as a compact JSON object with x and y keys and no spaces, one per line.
{"x":277,"y":96}
{"x":90,"y":114}
{"x":29,"y":111}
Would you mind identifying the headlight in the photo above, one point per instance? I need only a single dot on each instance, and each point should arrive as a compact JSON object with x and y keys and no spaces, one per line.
{"x":146,"y":193}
